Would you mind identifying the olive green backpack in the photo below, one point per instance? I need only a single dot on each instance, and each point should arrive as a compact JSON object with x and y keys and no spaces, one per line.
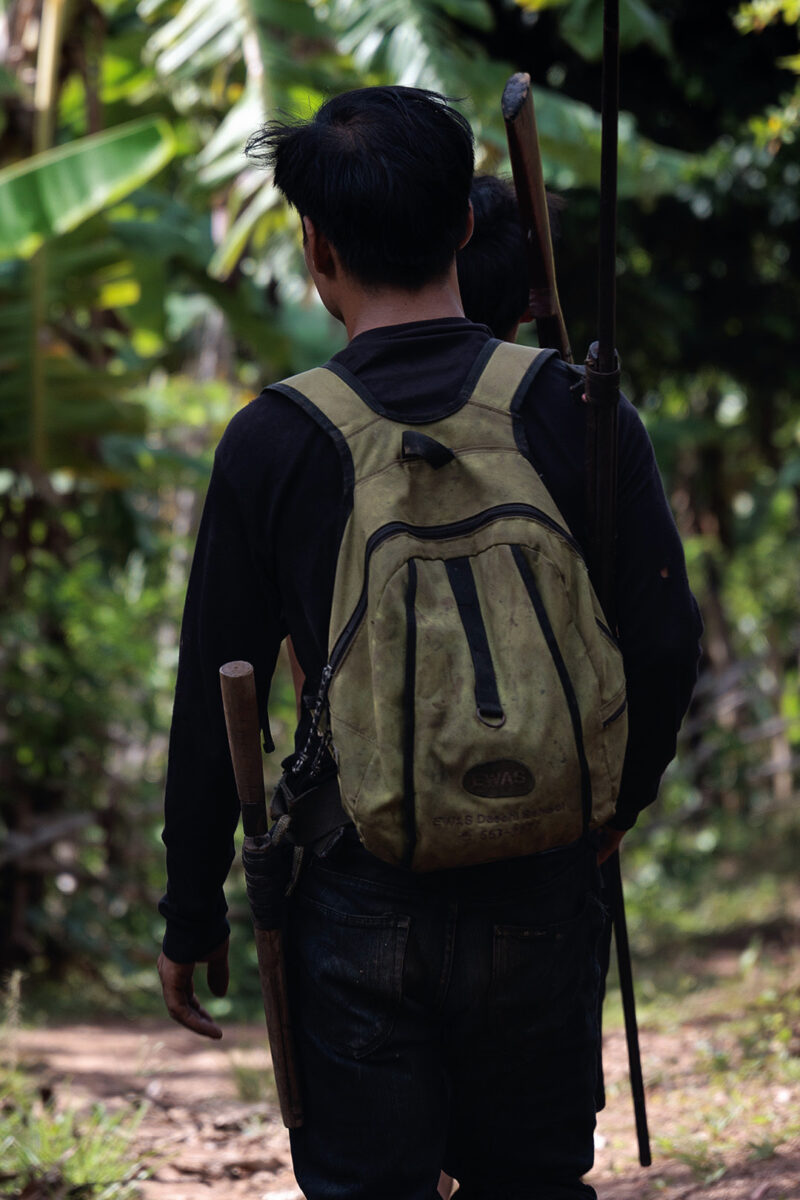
{"x":474,"y":697}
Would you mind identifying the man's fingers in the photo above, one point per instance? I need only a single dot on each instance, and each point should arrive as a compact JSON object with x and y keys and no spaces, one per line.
{"x":194,"y":1017}
{"x":184,"y":1007}
{"x":180,"y":1000}
{"x":208,"y":1026}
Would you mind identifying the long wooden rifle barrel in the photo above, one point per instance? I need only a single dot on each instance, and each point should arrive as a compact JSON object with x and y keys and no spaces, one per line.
{"x":526,"y":167}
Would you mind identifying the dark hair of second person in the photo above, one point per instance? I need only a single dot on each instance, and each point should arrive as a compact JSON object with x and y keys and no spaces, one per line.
{"x":384,"y":173}
{"x":492,"y":267}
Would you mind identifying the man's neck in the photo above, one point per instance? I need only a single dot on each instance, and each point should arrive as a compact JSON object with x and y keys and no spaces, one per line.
{"x":364,"y":309}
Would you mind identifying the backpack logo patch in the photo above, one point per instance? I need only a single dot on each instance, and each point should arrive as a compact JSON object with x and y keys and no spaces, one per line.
{"x":504,"y":777}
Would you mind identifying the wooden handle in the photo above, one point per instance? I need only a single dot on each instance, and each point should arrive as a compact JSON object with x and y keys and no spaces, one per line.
{"x":526,"y":167}
{"x":240,"y":702}
{"x":244,"y":738}
{"x":272,"y":972}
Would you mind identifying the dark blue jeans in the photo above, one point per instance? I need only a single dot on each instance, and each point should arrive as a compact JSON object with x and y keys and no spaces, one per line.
{"x":446,"y":1020}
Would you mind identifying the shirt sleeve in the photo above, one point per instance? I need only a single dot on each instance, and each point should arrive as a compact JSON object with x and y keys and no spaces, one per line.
{"x":658,"y":620}
{"x":232,"y":611}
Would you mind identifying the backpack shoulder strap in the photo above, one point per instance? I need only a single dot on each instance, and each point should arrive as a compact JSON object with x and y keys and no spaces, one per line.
{"x":507,"y":376}
{"x":324,"y":389}
{"x":487,"y":417}
{"x":336,"y":406}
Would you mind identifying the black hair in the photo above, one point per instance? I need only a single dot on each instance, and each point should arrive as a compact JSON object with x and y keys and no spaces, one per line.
{"x":384,"y":173}
{"x":492,"y":267}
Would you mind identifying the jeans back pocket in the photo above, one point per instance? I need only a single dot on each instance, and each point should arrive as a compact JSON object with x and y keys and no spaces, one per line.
{"x":544,"y":975}
{"x":348,"y":974}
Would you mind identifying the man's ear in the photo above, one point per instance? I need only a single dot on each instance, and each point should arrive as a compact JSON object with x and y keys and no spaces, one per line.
{"x":468,"y":232}
{"x":318,"y":248}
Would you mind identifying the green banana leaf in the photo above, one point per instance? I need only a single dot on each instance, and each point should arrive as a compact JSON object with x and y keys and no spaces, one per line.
{"x":54,"y":377}
{"x":581,"y":25}
{"x":569,"y":137}
{"x":52,"y":193}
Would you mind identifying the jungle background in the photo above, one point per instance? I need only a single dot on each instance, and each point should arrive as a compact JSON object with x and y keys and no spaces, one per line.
{"x":151,"y":283}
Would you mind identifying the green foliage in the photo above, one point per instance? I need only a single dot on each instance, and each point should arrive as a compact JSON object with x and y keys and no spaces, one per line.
{"x":51,"y":1147}
{"x":56,"y":389}
{"x":779,"y":125}
{"x":756,"y":16}
{"x":88,"y":1154}
{"x":735,"y":1052}
{"x":582,"y":25}
{"x":55,"y":192}
{"x":86,"y":676}
{"x":569,"y":135}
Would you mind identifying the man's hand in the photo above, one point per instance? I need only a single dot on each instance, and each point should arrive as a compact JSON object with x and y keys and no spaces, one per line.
{"x":178,"y":988}
{"x":608,"y":842}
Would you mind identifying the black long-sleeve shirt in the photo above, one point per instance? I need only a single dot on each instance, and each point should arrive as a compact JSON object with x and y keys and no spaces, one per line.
{"x":264,"y":567}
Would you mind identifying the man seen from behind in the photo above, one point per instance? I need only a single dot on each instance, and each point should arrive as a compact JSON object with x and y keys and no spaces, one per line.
{"x":443,"y":1018}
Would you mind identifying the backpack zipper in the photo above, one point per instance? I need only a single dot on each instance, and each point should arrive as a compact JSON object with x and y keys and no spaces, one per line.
{"x":601,"y":625}
{"x":409,"y":722}
{"x":435,"y":533}
{"x":573,"y":707}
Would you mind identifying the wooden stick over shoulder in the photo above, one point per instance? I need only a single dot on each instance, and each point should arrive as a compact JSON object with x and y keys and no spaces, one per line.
{"x":526,"y":167}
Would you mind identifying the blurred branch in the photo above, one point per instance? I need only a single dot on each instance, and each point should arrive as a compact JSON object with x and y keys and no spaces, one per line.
{"x":21,"y":845}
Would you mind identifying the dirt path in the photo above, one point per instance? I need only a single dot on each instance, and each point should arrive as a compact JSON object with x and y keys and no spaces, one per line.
{"x":201,"y":1140}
